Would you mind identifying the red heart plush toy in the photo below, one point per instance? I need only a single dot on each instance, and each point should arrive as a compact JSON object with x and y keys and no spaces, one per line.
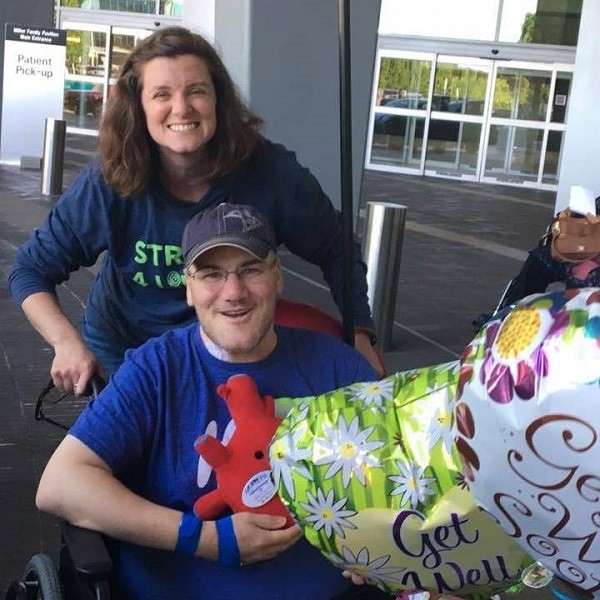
{"x":242,"y":468}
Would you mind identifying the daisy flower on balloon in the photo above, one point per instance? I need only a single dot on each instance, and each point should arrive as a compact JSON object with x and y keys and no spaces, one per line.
{"x":373,"y":394}
{"x":327,"y":513}
{"x":346,"y":448}
{"x":299,"y":413}
{"x":413,"y":485}
{"x":285,"y":456}
{"x":372,"y":569}
{"x":435,"y":418}
{"x":440,"y":428}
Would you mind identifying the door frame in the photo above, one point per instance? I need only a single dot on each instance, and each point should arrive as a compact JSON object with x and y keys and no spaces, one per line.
{"x":486,"y":120}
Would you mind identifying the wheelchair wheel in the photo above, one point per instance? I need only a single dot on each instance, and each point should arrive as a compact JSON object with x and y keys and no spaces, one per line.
{"x":41,"y":579}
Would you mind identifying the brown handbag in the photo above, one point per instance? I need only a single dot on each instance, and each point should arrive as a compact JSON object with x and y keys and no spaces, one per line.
{"x":574,"y":238}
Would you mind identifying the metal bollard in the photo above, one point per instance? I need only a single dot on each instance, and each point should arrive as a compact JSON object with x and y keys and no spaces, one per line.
{"x":382,"y":250}
{"x":53,"y":159}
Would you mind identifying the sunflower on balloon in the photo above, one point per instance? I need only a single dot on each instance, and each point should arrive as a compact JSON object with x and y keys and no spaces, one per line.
{"x":514,"y":358}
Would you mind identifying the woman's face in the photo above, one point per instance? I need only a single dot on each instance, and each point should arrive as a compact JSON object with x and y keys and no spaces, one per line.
{"x":179,"y":102}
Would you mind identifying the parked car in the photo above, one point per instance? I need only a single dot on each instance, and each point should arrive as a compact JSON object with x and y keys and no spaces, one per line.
{"x":83,"y":97}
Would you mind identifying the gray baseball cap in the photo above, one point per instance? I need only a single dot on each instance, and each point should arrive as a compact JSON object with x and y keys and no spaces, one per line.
{"x":237,"y":225}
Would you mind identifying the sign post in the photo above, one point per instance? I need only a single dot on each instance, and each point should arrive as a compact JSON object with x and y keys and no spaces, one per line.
{"x":33,"y":88}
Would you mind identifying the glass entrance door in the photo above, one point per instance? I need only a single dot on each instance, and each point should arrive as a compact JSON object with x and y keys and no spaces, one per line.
{"x":527,"y":123}
{"x":457,"y":121}
{"x":476,"y":119}
{"x":402,"y":104}
{"x":95,"y":53}
{"x":85,"y":77}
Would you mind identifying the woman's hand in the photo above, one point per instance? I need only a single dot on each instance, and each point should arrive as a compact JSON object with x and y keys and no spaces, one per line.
{"x":73,"y":366}
{"x":362,"y":342}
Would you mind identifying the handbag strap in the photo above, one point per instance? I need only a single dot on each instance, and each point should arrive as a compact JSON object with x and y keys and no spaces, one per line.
{"x":561,"y":256}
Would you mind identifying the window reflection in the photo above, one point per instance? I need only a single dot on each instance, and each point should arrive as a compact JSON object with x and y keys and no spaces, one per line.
{"x":171,"y":8}
{"x":553,"y":154}
{"x":541,"y":22}
{"x":453,"y":147}
{"x":521,"y":21}
{"x":403,"y":83}
{"x":86,"y":52}
{"x":397,"y":140}
{"x":459,"y":88}
{"x":83,"y":104}
{"x":521,"y":94}
{"x":513,"y":153}
{"x":137,"y":6}
{"x":123,"y":42}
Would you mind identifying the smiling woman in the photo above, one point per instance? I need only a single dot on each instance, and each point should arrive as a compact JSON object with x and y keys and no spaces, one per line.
{"x":175,"y":139}
{"x":179,"y":101}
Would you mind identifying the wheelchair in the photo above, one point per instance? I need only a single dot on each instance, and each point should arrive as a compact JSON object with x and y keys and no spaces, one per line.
{"x":85,"y":562}
{"x":541,"y":272}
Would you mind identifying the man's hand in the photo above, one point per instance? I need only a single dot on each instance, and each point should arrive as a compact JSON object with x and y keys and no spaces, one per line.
{"x":260,"y":537}
{"x":360,"y":580}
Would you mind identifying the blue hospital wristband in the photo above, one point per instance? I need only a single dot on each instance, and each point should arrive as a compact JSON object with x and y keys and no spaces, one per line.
{"x":229,"y":553}
{"x":188,"y":537}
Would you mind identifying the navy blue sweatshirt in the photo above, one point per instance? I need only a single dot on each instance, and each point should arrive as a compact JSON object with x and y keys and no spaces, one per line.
{"x":139,"y":292}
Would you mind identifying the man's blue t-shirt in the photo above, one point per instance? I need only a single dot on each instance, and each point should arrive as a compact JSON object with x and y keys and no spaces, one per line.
{"x":144,"y":425}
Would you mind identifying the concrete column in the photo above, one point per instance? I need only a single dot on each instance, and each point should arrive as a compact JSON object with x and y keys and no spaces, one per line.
{"x":284,"y":57}
{"x":581,"y":149}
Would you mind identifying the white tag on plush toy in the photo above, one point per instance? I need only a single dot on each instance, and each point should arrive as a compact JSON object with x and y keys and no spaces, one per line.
{"x":259,"y":490}
{"x":582,"y":200}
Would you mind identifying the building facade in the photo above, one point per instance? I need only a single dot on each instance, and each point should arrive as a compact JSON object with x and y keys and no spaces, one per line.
{"x":479,"y":91}
{"x":501,"y":91}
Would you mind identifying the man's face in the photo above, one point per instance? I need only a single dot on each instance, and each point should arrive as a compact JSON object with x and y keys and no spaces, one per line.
{"x":236,"y":314}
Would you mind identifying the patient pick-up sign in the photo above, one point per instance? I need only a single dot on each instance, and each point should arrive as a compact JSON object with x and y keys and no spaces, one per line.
{"x":32,"y":90}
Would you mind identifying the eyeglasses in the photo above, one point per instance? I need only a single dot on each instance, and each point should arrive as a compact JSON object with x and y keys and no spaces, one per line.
{"x":214,"y":278}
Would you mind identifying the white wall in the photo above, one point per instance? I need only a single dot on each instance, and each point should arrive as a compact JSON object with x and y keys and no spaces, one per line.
{"x":199,"y":15}
{"x":283,"y":54}
{"x":581,"y":153}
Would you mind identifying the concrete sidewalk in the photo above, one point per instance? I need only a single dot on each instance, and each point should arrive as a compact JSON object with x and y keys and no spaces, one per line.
{"x":462,"y":243}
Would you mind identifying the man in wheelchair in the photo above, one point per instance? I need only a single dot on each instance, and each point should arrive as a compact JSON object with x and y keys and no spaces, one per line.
{"x":128,"y":467}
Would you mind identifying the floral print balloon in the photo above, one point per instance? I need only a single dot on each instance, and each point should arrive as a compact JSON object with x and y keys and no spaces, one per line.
{"x":527,"y":428}
{"x":373,"y":477}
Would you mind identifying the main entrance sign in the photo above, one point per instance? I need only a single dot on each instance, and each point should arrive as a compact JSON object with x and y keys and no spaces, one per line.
{"x":33,"y":88}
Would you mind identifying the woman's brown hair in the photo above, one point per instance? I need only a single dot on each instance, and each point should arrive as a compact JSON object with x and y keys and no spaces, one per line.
{"x":129,"y":155}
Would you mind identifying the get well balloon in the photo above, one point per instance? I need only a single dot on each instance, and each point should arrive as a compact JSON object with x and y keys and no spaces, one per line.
{"x":528,"y":429}
{"x":372,"y":476}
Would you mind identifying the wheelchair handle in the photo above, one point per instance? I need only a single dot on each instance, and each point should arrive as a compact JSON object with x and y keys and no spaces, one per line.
{"x":95,"y":385}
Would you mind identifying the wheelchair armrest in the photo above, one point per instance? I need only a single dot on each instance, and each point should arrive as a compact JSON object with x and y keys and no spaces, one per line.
{"x":88,"y":551}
